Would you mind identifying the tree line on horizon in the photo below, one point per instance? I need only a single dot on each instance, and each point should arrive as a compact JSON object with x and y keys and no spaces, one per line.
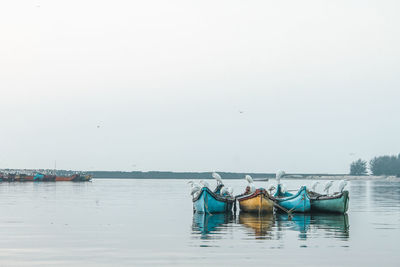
{"x":381,"y":165}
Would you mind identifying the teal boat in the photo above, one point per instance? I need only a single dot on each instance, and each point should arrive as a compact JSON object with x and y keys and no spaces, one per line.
{"x":211,"y":202}
{"x":299,"y":202}
{"x":337,"y":203}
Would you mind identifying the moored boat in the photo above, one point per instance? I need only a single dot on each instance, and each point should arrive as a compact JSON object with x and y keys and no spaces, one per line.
{"x":298,"y":202}
{"x":336,"y":203}
{"x":256,"y":202}
{"x":207,"y":201}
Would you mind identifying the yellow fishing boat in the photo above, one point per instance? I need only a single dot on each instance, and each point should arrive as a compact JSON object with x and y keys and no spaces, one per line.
{"x":256,"y":202}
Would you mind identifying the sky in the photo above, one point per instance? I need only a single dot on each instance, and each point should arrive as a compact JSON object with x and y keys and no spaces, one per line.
{"x":241,"y":86}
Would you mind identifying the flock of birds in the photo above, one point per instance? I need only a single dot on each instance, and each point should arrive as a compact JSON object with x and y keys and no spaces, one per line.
{"x":228,"y":191}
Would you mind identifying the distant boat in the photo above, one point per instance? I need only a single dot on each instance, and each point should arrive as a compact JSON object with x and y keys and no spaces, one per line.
{"x":256,"y":202}
{"x":299,"y":202}
{"x":207,"y":201}
{"x":336,"y":203}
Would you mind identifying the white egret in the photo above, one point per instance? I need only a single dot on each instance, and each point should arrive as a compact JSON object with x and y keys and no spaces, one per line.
{"x":279,"y":175}
{"x":314,"y":186}
{"x":327,"y":186}
{"x":217,"y":177}
{"x":283,"y":188}
{"x":195,"y":188}
{"x":249,"y":179}
{"x":252,"y":188}
{"x":226,"y":191}
{"x":204,"y":183}
{"x":342,"y":185}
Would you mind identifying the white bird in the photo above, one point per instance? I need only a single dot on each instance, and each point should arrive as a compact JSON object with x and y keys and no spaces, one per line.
{"x":342,"y":185}
{"x":204,"y":183}
{"x":283,"y":188}
{"x":314,"y":186}
{"x":217,"y":177}
{"x":249,"y":179}
{"x":327,"y":186}
{"x":226,"y":191}
{"x":252,"y":188}
{"x":230,"y":191}
{"x":278,"y":176}
{"x":195,"y":187}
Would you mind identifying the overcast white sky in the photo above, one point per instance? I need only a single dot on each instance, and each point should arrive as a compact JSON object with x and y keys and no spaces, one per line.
{"x":253,"y":86}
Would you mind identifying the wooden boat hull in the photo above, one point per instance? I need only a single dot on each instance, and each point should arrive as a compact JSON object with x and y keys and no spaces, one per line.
{"x":257,"y":202}
{"x":299,"y":202}
{"x":335,"y":204}
{"x":209,"y":202}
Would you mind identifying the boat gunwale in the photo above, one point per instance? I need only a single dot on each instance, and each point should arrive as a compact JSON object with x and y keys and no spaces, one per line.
{"x":280,"y":199}
{"x":327,"y":197}
{"x":255,"y":194}
{"x":215,"y":196}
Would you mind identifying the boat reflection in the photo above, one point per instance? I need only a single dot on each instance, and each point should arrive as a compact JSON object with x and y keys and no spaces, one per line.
{"x":260,"y":224}
{"x":328,"y":225}
{"x":209,"y":224}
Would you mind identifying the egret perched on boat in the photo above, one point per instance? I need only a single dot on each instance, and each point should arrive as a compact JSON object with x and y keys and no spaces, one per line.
{"x":226,"y":191}
{"x":249,"y":179}
{"x":195,"y":188}
{"x":327,"y":186}
{"x":204,"y":183}
{"x":251,"y":186}
{"x":217,"y":177}
{"x":279,"y":175}
{"x":314,"y":186}
{"x":342,"y":185}
{"x":283,"y":188}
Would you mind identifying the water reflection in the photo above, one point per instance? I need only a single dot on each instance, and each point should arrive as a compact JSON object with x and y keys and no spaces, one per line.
{"x":324,"y":224}
{"x":259,"y":224}
{"x":272,"y":226}
{"x":208,"y":225}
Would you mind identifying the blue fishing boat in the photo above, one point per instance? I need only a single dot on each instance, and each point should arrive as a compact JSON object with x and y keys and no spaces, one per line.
{"x":337,"y":203}
{"x":207,"y":201}
{"x":299,"y":202}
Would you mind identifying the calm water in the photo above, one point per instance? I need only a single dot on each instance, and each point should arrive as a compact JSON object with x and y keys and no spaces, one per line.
{"x":150,"y":222}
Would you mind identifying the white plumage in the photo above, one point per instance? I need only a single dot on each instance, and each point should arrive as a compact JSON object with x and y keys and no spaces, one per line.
{"x":217,"y":177}
{"x":342,"y":185}
{"x":204,"y":183}
{"x":327,"y":186}
{"x":283,"y":188}
{"x":226,"y":191}
{"x":314,"y":186}
{"x":278,"y":176}
{"x":195,"y":188}
{"x":249,"y":179}
{"x":252,"y":188}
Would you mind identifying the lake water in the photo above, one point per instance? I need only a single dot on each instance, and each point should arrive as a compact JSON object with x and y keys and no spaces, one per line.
{"x":111,"y":222}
